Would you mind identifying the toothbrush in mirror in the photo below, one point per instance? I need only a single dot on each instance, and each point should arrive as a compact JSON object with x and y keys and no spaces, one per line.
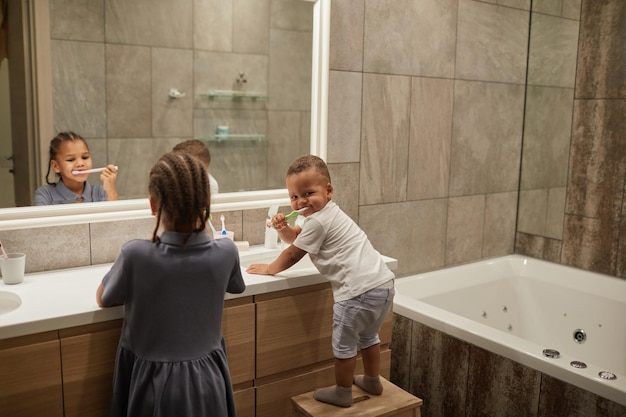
{"x":90,"y":171}
{"x":4,"y":254}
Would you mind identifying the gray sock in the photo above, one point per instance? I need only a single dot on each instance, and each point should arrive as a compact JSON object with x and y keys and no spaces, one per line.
{"x":368,"y":383}
{"x":336,"y":395}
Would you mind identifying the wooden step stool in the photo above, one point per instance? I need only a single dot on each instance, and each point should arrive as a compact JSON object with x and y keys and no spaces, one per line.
{"x":394,"y":401}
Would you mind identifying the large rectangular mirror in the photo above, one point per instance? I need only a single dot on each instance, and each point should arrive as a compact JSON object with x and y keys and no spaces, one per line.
{"x":258,"y":67}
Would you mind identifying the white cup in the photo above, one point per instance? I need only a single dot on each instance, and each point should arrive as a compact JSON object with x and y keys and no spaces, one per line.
{"x":13,"y":268}
{"x":229,"y":235}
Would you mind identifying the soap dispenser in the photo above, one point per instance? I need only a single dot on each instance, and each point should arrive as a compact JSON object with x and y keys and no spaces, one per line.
{"x":271,"y":235}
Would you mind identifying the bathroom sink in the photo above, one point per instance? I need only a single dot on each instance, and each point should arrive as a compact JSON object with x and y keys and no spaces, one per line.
{"x":9,"y":301}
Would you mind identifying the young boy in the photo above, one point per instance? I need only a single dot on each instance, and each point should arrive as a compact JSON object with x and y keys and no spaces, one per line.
{"x":198,"y":149}
{"x":363,"y":288}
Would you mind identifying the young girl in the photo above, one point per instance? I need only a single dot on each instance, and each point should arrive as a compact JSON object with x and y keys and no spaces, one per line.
{"x":69,"y":152}
{"x":363,"y":287}
{"x":171,"y":358}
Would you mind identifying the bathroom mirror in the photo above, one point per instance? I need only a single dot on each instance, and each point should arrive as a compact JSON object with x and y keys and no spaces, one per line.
{"x":42,"y":104}
{"x":552,"y":58}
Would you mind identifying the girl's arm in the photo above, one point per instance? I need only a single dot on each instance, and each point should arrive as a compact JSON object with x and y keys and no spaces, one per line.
{"x":108,"y":178}
{"x":99,"y":292}
{"x":286,"y":259}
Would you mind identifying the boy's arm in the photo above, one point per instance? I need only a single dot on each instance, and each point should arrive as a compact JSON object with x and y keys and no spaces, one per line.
{"x":289,"y":234}
{"x":286,"y":259}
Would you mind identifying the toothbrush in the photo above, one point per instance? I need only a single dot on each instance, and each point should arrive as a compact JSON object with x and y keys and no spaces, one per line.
{"x":90,"y":171}
{"x":291,"y":215}
{"x":4,"y":254}
{"x":223,"y":225}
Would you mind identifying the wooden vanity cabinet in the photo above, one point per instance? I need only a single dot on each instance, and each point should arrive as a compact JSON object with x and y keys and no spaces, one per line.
{"x":30,"y":376}
{"x":294,"y":352}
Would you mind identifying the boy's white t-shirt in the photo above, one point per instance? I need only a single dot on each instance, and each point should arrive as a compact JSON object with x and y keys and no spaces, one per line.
{"x":342,"y":253}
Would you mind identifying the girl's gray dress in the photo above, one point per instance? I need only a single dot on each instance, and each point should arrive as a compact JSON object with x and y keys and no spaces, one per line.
{"x":171,"y":359}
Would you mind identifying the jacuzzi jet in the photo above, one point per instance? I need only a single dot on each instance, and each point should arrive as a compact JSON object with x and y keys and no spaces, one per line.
{"x":578,"y":364}
{"x":580,"y":336}
{"x":607,"y":375}
{"x":551,"y":353}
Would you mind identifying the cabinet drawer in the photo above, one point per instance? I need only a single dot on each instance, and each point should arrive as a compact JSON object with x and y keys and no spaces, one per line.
{"x":238,"y":329}
{"x":294,"y":331}
{"x":30,"y":379}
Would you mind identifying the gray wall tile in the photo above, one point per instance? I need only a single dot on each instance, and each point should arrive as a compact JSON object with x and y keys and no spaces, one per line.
{"x":345,"y":180}
{"x":77,"y":20}
{"x":465,"y":228}
{"x":213,"y":25}
{"x":344,"y":116}
{"x":410,"y":38}
{"x":346,"y":35}
{"x":107,"y":238}
{"x":590,"y":244}
{"x":251,"y":19}
{"x":500,"y":217}
{"x":492,"y":43}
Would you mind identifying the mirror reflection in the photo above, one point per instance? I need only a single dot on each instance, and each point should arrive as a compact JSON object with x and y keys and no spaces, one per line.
{"x":136,"y":78}
{"x":553,"y":50}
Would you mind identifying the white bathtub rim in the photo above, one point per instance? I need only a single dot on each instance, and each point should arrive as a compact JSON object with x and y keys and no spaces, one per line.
{"x":512,"y":347}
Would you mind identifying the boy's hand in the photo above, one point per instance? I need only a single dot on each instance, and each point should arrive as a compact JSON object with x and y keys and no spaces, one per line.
{"x":278,"y":222}
{"x":259,"y":269}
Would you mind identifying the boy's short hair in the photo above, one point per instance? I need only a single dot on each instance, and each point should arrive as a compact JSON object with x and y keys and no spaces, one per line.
{"x":195,"y":148}
{"x":307,"y":162}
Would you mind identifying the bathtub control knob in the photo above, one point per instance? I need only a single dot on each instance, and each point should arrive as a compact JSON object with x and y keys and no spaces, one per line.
{"x":580,"y":336}
{"x":607,"y":375}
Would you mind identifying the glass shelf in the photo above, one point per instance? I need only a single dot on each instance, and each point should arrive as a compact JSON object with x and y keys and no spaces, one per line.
{"x":235,"y":95}
{"x":243,"y":137}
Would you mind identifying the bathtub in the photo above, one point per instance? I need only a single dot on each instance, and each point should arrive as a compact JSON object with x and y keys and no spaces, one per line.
{"x":517,"y":307}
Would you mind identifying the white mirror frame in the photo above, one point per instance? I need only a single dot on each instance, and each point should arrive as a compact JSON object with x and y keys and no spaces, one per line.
{"x":46,"y":216}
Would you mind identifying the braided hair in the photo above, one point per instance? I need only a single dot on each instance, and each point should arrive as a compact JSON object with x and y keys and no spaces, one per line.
{"x":179,"y":186}
{"x":55,"y":147}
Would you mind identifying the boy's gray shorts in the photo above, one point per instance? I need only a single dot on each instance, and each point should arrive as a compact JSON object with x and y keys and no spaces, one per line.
{"x":357,"y":321}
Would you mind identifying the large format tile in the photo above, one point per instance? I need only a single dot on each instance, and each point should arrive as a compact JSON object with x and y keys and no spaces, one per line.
{"x":500,"y":387}
{"x":538,"y":247}
{"x":344,"y":116}
{"x":531,"y":211}
{"x":602,"y":51}
{"x":486,"y":137}
{"x":492,"y":43}
{"x":413,"y":233}
{"x":465,"y":229}
{"x":346,"y":35}
{"x":172,"y":68}
{"x":128,"y":91}
{"x":213,"y":25}
{"x":431,"y":132}
{"x":553,"y":51}
{"x":64,"y":15}
{"x":410,"y":37}
{"x":163,"y":23}
{"x":385,"y":138}
{"x":547,"y":136}
{"x":251,"y":20}
{"x":107,"y":238}
{"x":439,"y":365}
{"x":590,"y":244}
{"x":400,"y":373}
{"x":598,"y":159}
{"x":282,"y":149}
{"x":78,"y":88}
{"x":499,"y":226}
{"x":345,"y":179}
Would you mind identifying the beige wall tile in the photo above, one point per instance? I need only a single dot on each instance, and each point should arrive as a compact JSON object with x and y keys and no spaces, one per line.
{"x":385,"y":138}
{"x":283,"y":149}
{"x":465,"y":229}
{"x":213,"y":25}
{"x":553,"y":51}
{"x":78,"y":88}
{"x":253,"y":227}
{"x":290,"y":70}
{"x":344,"y":116}
{"x":107,"y":238}
{"x":411,"y":38}
{"x":518,"y":4}
{"x":431,"y":132}
{"x":251,"y":20}
{"x":492,"y":43}
{"x":49,"y":248}
{"x":486,"y":138}
{"x":538,"y":247}
{"x":552,"y":7}
{"x":147,"y":22}
{"x":291,"y":15}
{"x":346,"y":35}
{"x":77,"y":20}
{"x":413,"y":233}
{"x":499,"y":228}
{"x":531,"y":213}
{"x":547,"y":136}
{"x":129,"y":91}
{"x":172,"y":68}
{"x":571,"y":9}
{"x":345,"y":180}
{"x":555,"y":212}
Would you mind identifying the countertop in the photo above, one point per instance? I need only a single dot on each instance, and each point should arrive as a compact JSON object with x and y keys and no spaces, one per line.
{"x":65,"y":298}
